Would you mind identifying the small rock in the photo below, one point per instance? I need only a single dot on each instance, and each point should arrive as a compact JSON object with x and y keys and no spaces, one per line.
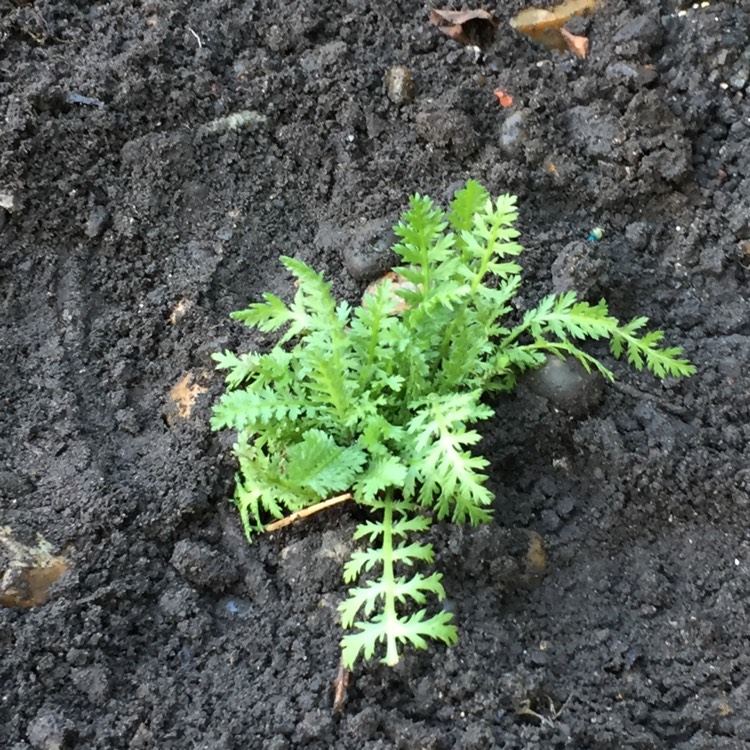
{"x":565,"y":506}
{"x":203,"y":566}
{"x":631,"y":72}
{"x":739,"y":80}
{"x":513,"y":132}
{"x":368,"y":253}
{"x":566,"y":385}
{"x":538,"y":658}
{"x":399,"y":85}
{"x":98,"y":221}
{"x":7,"y":201}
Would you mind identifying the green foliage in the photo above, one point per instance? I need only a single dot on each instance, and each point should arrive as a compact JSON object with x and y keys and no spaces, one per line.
{"x":383,"y":404}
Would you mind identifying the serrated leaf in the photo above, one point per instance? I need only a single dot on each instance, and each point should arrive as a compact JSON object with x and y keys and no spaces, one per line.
{"x":380,"y":474}
{"x":318,"y":463}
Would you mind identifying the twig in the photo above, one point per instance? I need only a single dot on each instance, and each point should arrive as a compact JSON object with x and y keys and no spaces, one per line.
{"x":305,"y":512}
{"x":197,"y":38}
{"x":340,"y":685}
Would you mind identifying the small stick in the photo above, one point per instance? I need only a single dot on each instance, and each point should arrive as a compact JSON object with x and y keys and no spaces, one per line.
{"x":305,"y":512}
{"x":340,"y":685}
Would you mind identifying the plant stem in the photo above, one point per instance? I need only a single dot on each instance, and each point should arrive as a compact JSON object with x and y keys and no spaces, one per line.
{"x":390,"y":616}
{"x":305,"y":512}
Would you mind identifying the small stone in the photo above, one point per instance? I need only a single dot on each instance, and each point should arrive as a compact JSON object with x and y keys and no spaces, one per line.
{"x":513,"y":132}
{"x":565,"y":506}
{"x":399,"y":85}
{"x":566,"y":385}
{"x":7,"y":201}
{"x":631,"y":72}
{"x":368,"y":253}
{"x":739,"y":80}
{"x":538,"y":658}
{"x":97,"y":222}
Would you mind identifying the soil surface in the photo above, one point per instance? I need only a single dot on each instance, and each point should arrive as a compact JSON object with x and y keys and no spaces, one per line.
{"x":156,"y":157}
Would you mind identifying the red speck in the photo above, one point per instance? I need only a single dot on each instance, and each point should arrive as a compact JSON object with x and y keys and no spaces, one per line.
{"x":505,"y":99}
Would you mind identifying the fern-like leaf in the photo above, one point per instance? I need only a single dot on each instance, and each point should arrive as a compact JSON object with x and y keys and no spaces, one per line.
{"x":383,"y":401}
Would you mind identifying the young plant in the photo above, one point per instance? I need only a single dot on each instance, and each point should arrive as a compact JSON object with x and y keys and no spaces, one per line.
{"x":381,"y":400}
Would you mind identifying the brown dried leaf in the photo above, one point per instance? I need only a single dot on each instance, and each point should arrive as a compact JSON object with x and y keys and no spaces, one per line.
{"x":27,"y":570}
{"x":183,"y":396}
{"x":578,"y":45}
{"x":474,"y":28}
{"x":544,"y":25}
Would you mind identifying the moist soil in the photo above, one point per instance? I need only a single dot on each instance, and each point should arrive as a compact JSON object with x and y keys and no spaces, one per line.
{"x":157,"y":157}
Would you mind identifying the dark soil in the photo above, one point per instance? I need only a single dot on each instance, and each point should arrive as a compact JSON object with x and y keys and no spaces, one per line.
{"x":134,"y":221}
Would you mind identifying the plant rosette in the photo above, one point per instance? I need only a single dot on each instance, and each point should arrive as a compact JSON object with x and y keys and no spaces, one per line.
{"x":382,"y":400}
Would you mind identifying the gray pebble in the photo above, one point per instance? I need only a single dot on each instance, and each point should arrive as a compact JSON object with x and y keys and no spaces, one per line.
{"x":566,"y":385}
{"x":368,"y":253}
{"x":538,"y":658}
{"x":513,"y":131}
{"x":631,"y":72}
{"x":97,"y":222}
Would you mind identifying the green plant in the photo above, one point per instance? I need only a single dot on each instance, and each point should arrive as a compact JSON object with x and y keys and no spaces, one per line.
{"x":381,"y":400}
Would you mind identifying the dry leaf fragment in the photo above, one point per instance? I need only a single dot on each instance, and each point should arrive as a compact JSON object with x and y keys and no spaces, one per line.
{"x":340,"y":686}
{"x":183,"y":396}
{"x":474,"y":28}
{"x":578,"y":45}
{"x":27,"y":570}
{"x":544,"y":25}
